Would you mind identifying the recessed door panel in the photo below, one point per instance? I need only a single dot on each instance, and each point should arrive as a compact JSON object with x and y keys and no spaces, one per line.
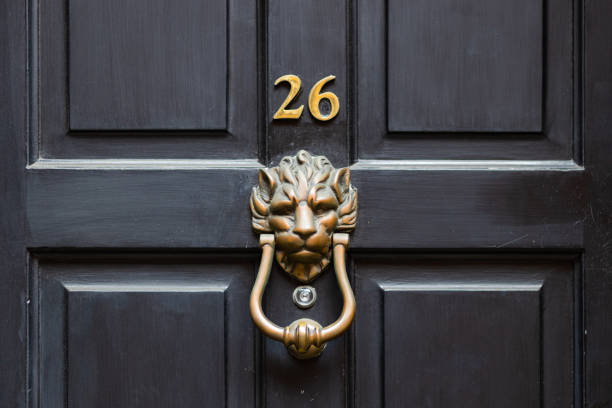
{"x":131,"y":330}
{"x":455,"y":331}
{"x":148,"y":65}
{"x":144,"y":79}
{"x":469,"y":66}
{"x":476,"y":79}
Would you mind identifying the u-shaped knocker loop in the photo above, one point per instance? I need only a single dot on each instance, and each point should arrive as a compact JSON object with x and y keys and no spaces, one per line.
{"x":304,"y":338}
{"x":297,"y":207}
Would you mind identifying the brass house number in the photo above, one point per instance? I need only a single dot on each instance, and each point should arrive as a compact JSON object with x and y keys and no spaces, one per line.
{"x":314,"y":98}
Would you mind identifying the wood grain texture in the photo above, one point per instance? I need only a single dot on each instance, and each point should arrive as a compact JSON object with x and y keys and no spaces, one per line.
{"x":598,"y":230}
{"x":153,"y":347}
{"x":459,"y":337}
{"x":209,"y":209}
{"x":148,"y":65}
{"x":473,"y":66}
{"x":307,"y":39}
{"x":163,"y":226}
{"x":180,"y":99}
{"x":392,"y":122}
{"x":429,"y":331}
{"x":493,"y":332}
{"x":123,"y":330}
{"x":13,"y":255}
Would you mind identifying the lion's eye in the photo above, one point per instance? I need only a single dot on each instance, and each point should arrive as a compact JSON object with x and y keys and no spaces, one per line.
{"x":282,"y":208}
{"x":323,"y":206}
{"x":285,"y":211}
{"x":320,"y":210}
{"x":323,"y":202}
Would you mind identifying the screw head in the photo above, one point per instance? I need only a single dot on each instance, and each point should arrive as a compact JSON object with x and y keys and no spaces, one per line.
{"x":304,"y":296}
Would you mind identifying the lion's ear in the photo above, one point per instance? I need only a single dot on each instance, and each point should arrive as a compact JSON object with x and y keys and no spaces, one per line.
{"x":267,"y":183}
{"x":260,"y":199}
{"x":259,"y":212}
{"x":341,"y":182}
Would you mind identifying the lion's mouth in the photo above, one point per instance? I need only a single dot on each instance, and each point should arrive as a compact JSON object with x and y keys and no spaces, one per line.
{"x":305,"y":256}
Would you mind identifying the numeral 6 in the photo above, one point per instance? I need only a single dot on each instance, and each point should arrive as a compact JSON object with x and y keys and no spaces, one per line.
{"x":314,"y":99}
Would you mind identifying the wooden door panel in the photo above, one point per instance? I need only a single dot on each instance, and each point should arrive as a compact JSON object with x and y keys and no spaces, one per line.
{"x":147,"y":329}
{"x":144,"y":79}
{"x":209,"y":208}
{"x":307,"y":39}
{"x":147,"y":65}
{"x":419,"y":207}
{"x":474,"y":66}
{"x":472,"y":80}
{"x":142,"y":208}
{"x":457,"y":335}
{"x":438,"y":331}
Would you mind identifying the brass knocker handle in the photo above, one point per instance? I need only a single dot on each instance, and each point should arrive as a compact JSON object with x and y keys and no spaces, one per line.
{"x":304,"y":338}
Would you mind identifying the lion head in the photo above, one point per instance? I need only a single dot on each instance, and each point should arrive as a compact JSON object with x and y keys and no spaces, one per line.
{"x":303,"y":201}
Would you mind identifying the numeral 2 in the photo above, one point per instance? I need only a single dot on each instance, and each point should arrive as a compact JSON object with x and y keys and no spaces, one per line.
{"x":296,"y":85}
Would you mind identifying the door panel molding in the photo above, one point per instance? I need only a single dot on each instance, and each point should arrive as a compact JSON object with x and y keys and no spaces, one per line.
{"x":419,"y":310}
{"x":553,"y":132}
{"x":163,"y":123}
{"x":402,"y":165}
{"x":120,"y":321}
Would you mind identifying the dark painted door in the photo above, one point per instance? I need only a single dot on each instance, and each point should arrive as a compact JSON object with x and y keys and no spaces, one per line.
{"x":477,"y":132}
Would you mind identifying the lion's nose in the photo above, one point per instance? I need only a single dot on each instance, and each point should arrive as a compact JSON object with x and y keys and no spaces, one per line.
{"x":304,"y":221}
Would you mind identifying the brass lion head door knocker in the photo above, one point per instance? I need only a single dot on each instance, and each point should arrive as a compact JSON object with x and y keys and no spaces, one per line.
{"x":304,"y":209}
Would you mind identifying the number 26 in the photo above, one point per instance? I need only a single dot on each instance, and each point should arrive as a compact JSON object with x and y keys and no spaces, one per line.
{"x":314,"y":98}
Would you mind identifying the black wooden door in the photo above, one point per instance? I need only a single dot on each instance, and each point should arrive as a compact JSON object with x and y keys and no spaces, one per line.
{"x":478,"y":136}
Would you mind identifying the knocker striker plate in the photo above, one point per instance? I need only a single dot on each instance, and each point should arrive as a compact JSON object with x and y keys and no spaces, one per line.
{"x":303,"y":209}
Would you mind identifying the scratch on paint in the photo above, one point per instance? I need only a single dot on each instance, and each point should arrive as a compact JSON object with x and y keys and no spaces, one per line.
{"x":512,"y":241}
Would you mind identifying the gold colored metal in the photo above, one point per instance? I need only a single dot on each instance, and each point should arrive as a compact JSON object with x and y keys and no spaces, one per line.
{"x":315,"y":98}
{"x":297,"y":207}
{"x":303,"y":201}
{"x":296,"y":85}
{"x":304,"y":338}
